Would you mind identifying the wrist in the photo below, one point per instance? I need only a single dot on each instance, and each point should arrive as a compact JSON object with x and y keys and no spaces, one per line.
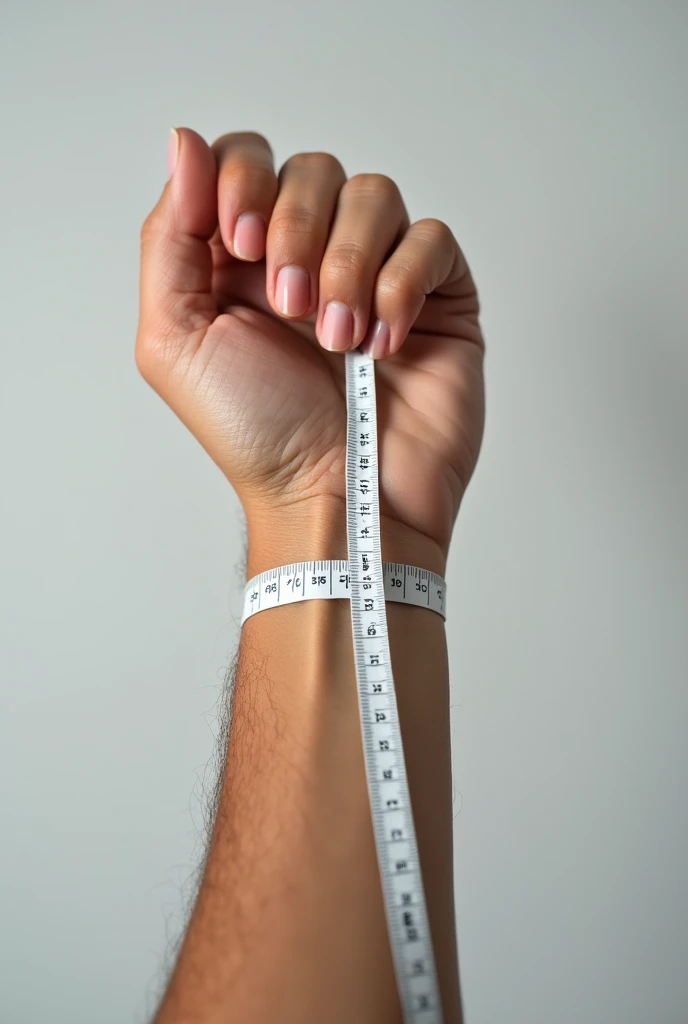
{"x":315,"y":528}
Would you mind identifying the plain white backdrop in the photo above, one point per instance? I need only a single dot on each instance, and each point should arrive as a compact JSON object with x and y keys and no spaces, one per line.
{"x":553,"y":139}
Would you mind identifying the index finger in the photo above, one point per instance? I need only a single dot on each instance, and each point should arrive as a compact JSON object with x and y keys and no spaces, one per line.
{"x":246,"y":192}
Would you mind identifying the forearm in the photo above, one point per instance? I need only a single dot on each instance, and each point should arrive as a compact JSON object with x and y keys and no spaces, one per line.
{"x":289,"y":923}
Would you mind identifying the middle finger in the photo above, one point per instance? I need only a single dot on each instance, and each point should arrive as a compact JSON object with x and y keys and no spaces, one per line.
{"x":370,"y":218}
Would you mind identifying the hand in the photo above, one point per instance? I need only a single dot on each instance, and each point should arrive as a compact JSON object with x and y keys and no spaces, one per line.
{"x":243,"y":350}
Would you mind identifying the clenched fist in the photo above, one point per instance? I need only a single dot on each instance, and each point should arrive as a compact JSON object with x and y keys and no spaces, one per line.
{"x":254,"y":284}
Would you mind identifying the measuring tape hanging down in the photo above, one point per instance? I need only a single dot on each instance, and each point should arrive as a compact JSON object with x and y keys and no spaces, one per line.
{"x":390,"y":800}
{"x":367,"y":581}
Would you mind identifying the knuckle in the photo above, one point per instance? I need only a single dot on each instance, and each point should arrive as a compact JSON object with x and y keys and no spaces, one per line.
{"x":294,"y":220}
{"x":253,"y":139}
{"x":435,"y":231}
{"x":238,"y":142}
{"x":378,"y":186}
{"x":246,"y":176}
{"x":399,"y":286}
{"x":316,"y":163}
{"x":344,"y":260}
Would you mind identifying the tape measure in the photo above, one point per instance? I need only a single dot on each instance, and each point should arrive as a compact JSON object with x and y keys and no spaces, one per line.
{"x":308,"y":581}
{"x":390,"y":800}
{"x":367,"y":582}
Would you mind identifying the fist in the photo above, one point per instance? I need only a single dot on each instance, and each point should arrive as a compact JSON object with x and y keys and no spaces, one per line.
{"x":253,"y":285}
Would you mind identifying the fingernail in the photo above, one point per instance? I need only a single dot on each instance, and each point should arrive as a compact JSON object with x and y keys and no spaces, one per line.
{"x":172,"y":151}
{"x":376,"y":344}
{"x":292,"y":291}
{"x":337,"y":332}
{"x":249,"y":237}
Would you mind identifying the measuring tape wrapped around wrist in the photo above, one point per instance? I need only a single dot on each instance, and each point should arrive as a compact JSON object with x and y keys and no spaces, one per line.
{"x":308,"y":581}
{"x":366,"y":581}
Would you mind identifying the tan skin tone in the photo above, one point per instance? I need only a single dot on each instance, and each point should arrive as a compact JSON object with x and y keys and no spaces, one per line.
{"x":266,"y":399}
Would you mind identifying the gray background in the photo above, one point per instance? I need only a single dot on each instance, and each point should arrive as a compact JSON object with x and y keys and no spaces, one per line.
{"x":552,"y":137}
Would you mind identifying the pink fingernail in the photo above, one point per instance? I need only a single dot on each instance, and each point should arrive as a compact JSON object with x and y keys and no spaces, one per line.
{"x":337,"y":332}
{"x":249,"y":237}
{"x":172,"y":151}
{"x":292,"y":291}
{"x":376,"y":344}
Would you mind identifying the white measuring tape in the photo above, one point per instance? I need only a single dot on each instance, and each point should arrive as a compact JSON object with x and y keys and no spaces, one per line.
{"x":367,"y":582}
{"x":390,"y":800}
{"x":307,"y":581}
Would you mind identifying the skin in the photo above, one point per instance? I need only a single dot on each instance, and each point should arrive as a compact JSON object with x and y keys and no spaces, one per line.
{"x":289,"y":923}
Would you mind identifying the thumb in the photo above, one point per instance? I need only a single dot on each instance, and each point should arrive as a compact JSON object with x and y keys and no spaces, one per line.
{"x":176,"y":300}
